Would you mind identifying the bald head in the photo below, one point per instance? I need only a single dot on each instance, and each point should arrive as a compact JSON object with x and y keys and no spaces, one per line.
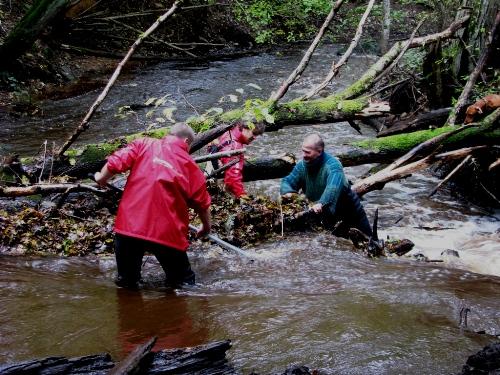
{"x":312,"y":147}
{"x":183,"y":131}
{"x":314,"y":141}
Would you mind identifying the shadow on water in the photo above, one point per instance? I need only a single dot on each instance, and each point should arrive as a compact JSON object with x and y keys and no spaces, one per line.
{"x":307,"y":299}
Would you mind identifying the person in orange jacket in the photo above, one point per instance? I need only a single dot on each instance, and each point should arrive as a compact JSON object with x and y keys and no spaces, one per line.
{"x":164,"y":181}
{"x":235,"y":139}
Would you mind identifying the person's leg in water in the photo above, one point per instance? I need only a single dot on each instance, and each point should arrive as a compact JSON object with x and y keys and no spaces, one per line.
{"x":176,"y":265}
{"x":128,"y":253}
{"x":349,"y":213}
{"x":358,"y":218}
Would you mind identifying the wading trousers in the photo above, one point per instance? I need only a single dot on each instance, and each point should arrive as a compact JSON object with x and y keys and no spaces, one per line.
{"x":129,"y":252}
{"x":350,"y":211}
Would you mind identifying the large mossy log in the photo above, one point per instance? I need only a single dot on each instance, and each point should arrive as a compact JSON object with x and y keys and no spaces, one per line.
{"x":380,"y":150}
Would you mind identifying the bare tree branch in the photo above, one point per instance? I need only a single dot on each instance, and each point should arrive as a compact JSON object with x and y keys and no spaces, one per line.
{"x":171,"y":45}
{"x":275,"y":97}
{"x":21,"y":191}
{"x":379,"y":179}
{"x":450,"y":175}
{"x":405,"y":48}
{"x":336,"y":67}
{"x":85,"y":122}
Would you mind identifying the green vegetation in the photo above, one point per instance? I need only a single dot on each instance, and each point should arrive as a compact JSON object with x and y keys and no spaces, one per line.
{"x":275,"y":21}
{"x":272,"y":21}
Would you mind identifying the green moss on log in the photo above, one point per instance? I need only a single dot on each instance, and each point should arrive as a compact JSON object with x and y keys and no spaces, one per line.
{"x":99,"y":151}
{"x":296,"y":111}
{"x":401,"y":142}
{"x":488,"y":133}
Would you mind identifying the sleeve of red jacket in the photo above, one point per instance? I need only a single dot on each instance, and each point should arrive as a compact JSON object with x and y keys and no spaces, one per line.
{"x":199,"y":198}
{"x":124,"y":158}
{"x":233,"y":177}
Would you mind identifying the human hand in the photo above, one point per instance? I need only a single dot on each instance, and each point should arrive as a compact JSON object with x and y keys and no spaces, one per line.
{"x":99,"y":178}
{"x":203,"y":231}
{"x":317,"y":208}
{"x":288,"y":196}
{"x":245,"y":198}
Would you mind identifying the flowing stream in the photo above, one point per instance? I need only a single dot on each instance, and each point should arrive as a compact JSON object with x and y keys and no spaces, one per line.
{"x":307,"y":299}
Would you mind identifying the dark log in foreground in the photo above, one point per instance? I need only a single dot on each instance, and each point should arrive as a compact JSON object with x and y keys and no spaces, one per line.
{"x":204,"y":359}
{"x":92,"y":364}
{"x":485,"y":361}
{"x":135,"y":360}
{"x":209,"y":359}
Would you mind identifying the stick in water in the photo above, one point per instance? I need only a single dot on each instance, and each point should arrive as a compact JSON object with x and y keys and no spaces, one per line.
{"x":224,"y":244}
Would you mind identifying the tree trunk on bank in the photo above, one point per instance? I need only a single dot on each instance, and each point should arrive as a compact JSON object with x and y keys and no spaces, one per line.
{"x":27,"y":31}
{"x":386,"y":26}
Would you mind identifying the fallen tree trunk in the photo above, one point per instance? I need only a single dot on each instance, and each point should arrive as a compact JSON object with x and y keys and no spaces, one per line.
{"x":45,"y":189}
{"x":380,"y":150}
{"x":329,"y":109}
{"x":436,"y":118}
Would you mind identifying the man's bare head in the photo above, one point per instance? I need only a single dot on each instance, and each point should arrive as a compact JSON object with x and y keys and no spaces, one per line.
{"x":183,"y":131}
{"x":312,"y":147}
{"x":315,"y":141}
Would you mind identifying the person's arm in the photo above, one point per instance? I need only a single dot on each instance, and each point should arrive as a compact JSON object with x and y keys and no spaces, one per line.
{"x":233,"y":178}
{"x":103,"y":176}
{"x":291,"y":184}
{"x":118,"y":162}
{"x":206,"y":222}
{"x":199,"y":199}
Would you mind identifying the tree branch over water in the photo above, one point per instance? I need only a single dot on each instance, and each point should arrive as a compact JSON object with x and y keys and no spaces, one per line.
{"x":85,"y":122}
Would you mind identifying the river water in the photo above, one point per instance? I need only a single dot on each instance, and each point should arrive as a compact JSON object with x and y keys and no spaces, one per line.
{"x":307,"y":299}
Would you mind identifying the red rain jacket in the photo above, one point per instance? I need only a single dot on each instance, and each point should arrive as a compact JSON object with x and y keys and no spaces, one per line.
{"x":233,"y":176}
{"x":163,"y":182}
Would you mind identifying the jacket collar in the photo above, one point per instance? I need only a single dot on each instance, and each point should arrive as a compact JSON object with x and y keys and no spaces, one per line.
{"x":175,"y":141}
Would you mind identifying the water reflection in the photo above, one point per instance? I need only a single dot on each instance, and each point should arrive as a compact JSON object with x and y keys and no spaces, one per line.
{"x":144,"y":314}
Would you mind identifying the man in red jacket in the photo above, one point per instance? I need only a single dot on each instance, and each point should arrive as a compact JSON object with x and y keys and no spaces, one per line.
{"x":236,"y":139}
{"x":163,"y":183}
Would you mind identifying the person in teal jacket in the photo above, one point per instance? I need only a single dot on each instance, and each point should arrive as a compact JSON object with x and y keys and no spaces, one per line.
{"x":321,"y":178}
